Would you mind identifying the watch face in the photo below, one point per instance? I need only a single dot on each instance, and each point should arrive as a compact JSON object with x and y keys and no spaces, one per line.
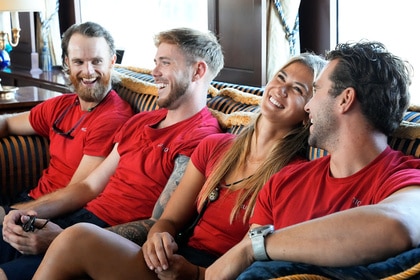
{"x":262,"y":230}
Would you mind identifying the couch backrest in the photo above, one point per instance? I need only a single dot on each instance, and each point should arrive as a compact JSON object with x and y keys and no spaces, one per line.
{"x":233,"y":105}
{"x":22,"y":160}
{"x":236,"y":105}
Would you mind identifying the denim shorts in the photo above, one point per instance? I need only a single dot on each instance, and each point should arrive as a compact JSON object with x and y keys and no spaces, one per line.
{"x":197,"y":257}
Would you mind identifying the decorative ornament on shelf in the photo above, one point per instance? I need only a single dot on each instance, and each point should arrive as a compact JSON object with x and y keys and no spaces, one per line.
{"x":4,"y":59}
{"x":51,"y":11}
{"x":46,"y":59}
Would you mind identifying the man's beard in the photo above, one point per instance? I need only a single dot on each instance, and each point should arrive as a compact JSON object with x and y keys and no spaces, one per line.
{"x":177,"y":91}
{"x":323,"y":134}
{"x":89,"y":94}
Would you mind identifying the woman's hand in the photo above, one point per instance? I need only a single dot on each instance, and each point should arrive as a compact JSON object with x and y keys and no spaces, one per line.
{"x":158,"y":251}
{"x":179,"y":269}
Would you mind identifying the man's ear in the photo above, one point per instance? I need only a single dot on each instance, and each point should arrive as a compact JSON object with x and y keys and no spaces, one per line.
{"x":347,"y":99}
{"x":113,"y":59}
{"x":199,"y":71}
{"x":66,"y":60}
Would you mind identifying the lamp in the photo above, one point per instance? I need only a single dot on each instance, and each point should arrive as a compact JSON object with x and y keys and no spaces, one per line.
{"x":12,"y":8}
{"x":9,"y":22}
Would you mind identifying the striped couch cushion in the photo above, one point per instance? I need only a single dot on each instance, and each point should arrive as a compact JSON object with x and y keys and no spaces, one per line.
{"x":228,"y":100}
{"x":135,"y":72}
{"x":406,"y":138}
{"x":248,"y":89}
{"x":22,"y":159}
{"x":138,"y":102}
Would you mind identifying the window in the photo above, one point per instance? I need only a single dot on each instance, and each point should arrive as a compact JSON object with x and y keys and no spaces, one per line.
{"x":394,"y":23}
{"x":134,"y":23}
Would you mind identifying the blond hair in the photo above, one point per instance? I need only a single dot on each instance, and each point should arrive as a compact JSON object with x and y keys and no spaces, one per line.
{"x":293,"y":144}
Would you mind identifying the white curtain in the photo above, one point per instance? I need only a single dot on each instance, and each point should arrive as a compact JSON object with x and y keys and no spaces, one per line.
{"x":48,"y":30}
{"x":278,"y":46}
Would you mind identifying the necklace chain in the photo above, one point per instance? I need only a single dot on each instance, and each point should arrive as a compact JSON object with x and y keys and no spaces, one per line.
{"x":214,"y":195}
{"x":237,"y":182}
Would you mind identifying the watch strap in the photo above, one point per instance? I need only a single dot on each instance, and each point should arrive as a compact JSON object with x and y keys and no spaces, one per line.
{"x":258,"y":246}
{"x":257,"y":236}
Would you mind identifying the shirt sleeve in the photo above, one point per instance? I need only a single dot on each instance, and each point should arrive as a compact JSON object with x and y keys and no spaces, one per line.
{"x":209,"y":150}
{"x":42,"y":116}
{"x":263,"y":211}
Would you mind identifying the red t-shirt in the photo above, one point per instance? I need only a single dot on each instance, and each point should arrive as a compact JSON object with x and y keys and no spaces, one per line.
{"x":147,"y":158}
{"x":214,"y":233}
{"x":93,"y":136}
{"x":307,"y":191}
{"x":215,"y":221}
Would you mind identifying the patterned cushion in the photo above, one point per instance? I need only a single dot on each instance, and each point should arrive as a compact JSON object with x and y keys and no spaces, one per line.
{"x":135,"y":72}
{"x":406,"y":138}
{"x":314,"y":153}
{"x":139,"y":92}
{"x":229,"y":100}
{"x":248,"y":89}
{"x":412,"y":115}
{"x":138,"y":102}
{"x":235,"y":121}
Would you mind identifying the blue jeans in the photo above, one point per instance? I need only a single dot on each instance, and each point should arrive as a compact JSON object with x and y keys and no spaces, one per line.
{"x":389,"y":267}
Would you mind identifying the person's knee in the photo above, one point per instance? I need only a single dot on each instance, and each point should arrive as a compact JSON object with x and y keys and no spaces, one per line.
{"x":75,"y":235}
{"x":2,"y":274}
{"x":80,"y":229}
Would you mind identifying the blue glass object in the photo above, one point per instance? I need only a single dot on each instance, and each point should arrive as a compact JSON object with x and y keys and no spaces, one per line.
{"x":46,"y":59}
{"x":4,"y":59}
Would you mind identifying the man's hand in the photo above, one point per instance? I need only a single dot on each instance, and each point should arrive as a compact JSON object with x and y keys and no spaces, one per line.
{"x":13,"y":218}
{"x":28,"y":242}
{"x":158,"y":251}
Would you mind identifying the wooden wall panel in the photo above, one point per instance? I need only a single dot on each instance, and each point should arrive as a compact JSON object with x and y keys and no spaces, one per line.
{"x":241,"y":28}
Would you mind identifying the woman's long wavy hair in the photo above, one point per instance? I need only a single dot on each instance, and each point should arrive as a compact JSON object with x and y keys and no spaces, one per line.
{"x":283,"y":152}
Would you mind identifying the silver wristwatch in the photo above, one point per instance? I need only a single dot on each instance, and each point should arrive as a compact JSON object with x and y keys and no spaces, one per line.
{"x":257,"y":236}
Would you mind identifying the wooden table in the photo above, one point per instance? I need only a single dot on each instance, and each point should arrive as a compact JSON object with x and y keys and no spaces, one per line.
{"x":54,"y":80}
{"x":24,"y":99}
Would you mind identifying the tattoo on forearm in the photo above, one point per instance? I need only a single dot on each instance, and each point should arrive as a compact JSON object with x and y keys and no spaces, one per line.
{"x":181,"y":163}
{"x":135,"y":231}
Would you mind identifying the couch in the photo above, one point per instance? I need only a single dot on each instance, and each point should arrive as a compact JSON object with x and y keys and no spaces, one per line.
{"x":22,"y":158}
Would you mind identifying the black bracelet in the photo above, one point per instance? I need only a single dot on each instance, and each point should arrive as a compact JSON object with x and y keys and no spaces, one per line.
{"x":198,"y":273}
{"x":46,"y":222}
